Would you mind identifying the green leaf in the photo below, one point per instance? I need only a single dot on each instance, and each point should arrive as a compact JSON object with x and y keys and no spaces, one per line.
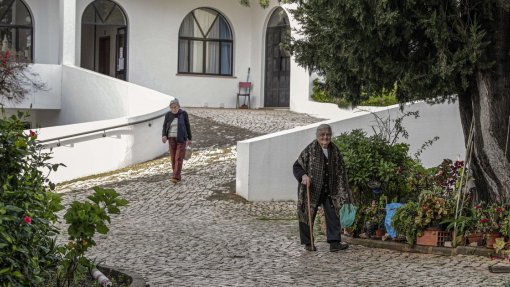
{"x":7,"y":237}
{"x":5,"y":270}
{"x":101,"y":228}
{"x":17,"y":274}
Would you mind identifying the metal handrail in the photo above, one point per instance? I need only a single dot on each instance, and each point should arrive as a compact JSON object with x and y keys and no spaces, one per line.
{"x":100,"y":130}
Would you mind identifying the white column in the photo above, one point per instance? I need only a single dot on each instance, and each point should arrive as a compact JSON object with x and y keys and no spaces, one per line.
{"x":67,"y":32}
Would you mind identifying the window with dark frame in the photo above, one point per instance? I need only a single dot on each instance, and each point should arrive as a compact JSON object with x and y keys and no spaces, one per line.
{"x":16,"y":29}
{"x":205,"y":44}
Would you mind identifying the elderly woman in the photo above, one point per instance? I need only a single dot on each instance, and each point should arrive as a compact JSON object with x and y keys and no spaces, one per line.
{"x":177,"y":131}
{"x":320,"y":165}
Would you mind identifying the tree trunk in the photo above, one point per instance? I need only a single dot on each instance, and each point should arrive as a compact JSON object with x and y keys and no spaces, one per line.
{"x":491,"y":167}
{"x":488,"y":103}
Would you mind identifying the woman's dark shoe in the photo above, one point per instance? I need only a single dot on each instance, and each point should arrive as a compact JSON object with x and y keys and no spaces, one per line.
{"x":308,"y":247}
{"x":337,"y":246}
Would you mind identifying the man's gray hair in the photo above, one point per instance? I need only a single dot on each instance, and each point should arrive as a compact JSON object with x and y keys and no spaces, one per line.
{"x":175,"y":101}
{"x":323,"y":127}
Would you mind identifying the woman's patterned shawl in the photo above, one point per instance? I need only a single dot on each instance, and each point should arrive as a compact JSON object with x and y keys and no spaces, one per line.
{"x":312,"y":160}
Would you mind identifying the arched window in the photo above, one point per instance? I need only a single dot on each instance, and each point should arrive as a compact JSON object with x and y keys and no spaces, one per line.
{"x":104,"y":39}
{"x":205,"y":44}
{"x":16,"y":30}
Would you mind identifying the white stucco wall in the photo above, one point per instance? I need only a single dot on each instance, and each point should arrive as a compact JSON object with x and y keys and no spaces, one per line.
{"x":153,"y":32}
{"x":45,"y":18}
{"x":47,"y":98}
{"x":92,"y":154}
{"x":153,"y":27}
{"x":91,"y":96}
{"x":264,"y":164}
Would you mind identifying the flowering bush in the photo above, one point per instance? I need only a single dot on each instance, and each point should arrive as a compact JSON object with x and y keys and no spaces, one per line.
{"x":27,"y":207}
{"x":489,"y":218}
{"x":28,"y":253}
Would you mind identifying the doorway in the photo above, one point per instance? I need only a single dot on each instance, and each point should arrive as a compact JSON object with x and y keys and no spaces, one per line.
{"x":104,"y":55}
{"x":104,"y":46}
{"x":277,"y":59}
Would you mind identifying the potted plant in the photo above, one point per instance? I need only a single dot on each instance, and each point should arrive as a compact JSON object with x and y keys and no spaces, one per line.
{"x":464,"y":224}
{"x":432,"y":209}
{"x":404,"y":221}
{"x":374,"y":218}
{"x":489,"y":220}
{"x":505,"y":226}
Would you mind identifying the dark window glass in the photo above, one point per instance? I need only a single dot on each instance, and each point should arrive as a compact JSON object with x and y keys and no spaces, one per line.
{"x":104,"y":12}
{"x":16,"y":31}
{"x":205,"y":43}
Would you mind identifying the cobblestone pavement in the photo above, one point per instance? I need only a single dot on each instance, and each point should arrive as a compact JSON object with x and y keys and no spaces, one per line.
{"x":199,"y":233}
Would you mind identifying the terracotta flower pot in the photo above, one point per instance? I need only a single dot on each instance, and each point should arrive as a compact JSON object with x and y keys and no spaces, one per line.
{"x":379,"y":232}
{"x":474,"y":237}
{"x":490,"y":239}
{"x":433,"y":237}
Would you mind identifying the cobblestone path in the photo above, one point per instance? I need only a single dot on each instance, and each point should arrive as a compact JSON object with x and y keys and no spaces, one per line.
{"x":199,"y":233}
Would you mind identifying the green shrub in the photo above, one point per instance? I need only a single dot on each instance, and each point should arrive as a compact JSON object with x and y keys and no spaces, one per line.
{"x":320,"y":95}
{"x":373,"y":159}
{"x":85,"y":219}
{"x":404,"y":221}
{"x":27,"y":207}
{"x":381,"y":163}
{"x":382,"y":99}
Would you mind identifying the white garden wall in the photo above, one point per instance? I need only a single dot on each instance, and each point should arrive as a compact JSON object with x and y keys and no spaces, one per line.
{"x":264,"y":164}
{"x":93,"y":101}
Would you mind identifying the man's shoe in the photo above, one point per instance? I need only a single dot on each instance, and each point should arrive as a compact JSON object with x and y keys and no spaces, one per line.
{"x":337,"y":246}
{"x":308,"y":247}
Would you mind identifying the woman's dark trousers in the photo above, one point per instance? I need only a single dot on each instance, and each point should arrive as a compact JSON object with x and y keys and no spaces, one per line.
{"x":332,"y":223}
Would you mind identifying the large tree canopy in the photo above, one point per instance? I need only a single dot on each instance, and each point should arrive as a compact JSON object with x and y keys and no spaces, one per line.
{"x":434,"y":50}
{"x":429,"y":48}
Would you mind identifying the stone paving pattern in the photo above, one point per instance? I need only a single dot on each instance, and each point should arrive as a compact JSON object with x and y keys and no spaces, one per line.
{"x":199,"y":233}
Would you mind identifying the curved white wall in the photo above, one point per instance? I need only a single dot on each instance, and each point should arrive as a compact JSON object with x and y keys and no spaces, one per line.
{"x":264,"y":164}
{"x":93,"y":101}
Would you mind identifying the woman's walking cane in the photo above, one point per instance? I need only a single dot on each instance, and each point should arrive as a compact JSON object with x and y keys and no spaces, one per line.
{"x":309,"y":214}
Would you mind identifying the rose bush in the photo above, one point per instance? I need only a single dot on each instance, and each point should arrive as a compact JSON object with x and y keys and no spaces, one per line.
{"x":27,"y":207}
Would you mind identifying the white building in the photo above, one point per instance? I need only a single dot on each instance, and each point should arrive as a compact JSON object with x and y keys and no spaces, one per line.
{"x":196,"y":50}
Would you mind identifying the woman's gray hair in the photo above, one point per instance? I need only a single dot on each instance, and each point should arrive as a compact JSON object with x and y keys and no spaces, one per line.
{"x":323,"y":127}
{"x":175,"y":101}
